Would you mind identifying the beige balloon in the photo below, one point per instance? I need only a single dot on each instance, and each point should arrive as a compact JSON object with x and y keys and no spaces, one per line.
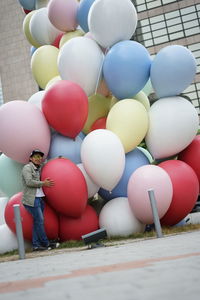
{"x":128,"y":119}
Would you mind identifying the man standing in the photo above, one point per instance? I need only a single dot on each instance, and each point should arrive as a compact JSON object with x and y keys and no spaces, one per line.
{"x":33,"y":199}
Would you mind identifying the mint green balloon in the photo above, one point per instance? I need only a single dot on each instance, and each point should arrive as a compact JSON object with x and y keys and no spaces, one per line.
{"x":10,"y":176}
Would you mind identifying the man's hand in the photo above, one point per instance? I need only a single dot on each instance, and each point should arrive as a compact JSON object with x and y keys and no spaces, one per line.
{"x":48,"y":182}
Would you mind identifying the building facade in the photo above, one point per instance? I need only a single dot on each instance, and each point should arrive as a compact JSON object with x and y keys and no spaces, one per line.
{"x":169,"y":22}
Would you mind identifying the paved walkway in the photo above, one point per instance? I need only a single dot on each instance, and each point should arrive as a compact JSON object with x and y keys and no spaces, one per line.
{"x":166,"y":268}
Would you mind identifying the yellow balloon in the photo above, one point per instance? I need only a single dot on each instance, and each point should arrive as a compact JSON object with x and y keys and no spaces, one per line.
{"x":98,"y":107}
{"x":128,"y":119}
{"x":52,"y":81}
{"x":26,"y":29}
{"x":44,"y":64}
{"x":69,"y":35}
{"x":142,"y":98}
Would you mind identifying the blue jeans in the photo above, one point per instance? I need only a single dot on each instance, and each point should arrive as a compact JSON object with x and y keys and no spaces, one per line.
{"x":39,"y":237}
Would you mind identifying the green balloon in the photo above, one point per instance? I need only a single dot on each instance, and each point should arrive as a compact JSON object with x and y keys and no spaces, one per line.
{"x":10,"y":176}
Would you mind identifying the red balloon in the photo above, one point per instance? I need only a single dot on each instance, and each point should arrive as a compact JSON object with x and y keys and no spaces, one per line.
{"x":56,"y":42}
{"x":74,"y":228}
{"x":185,"y":191}
{"x":65,"y":106}
{"x":26,"y":11}
{"x":99,"y":124}
{"x":50,"y":219}
{"x":191,"y":156}
{"x":69,"y":194}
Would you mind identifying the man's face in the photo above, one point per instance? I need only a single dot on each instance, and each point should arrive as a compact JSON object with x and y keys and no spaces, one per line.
{"x":36,"y":159}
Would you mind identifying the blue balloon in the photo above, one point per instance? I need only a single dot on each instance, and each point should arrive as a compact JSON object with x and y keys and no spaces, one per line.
{"x":66,"y":147}
{"x":172,"y":71}
{"x":82,"y":14}
{"x":133,"y":160}
{"x":126,"y":68}
{"x":28,"y":4}
{"x":32,"y":50}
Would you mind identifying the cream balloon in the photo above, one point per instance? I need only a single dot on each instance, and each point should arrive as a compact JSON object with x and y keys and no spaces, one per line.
{"x":111,"y":21}
{"x":8,"y":239}
{"x":128,"y":119}
{"x":80,"y":60}
{"x":91,"y":186}
{"x":41,"y":28}
{"x":103,"y":158}
{"x":36,"y":99}
{"x":26,"y":29}
{"x":3,"y":202}
{"x":44,"y":64}
{"x":118,"y":219}
{"x":69,"y":35}
{"x":173,"y":124}
{"x":52,"y":81}
{"x":142,"y":98}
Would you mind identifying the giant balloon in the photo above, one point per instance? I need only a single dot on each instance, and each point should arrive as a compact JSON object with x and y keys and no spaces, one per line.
{"x":82,"y":13}
{"x":62,"y":14}
{"x":74,"y":228}
{"x":173,"y":124}
{"x":172,"y":71}
{"x":111,"y":21}
{"x":36,"y":99}
{"x":65,"y":106}
{"x":44,"y":64}
{"x":103,"y":158}
{"x":118,"y":220}
{"x":22,"y":129}
{"x":185,"y":191}
{"x":126,"y":68}
{"x":80,"y":60}
{"x":3,"y":202}
{"x":8,"y":239}
{"x":10,"y":176}
{"x":26,"y":30}
{"x":27,"y":4}
{"x":41,"y":28}
{"x":69,"y":35}
{"x":134,"y":159}
{"x":141,"y":181}
{"x":66,"y":147}
{"x":91,"y":186}
{"x":69,"y":194}
{"x":128,"y":119}
{"x":50,"y":219}
{"x":191,"y":155}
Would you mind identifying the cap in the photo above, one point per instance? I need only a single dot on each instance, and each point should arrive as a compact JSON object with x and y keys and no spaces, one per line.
{"x":36,"y":151}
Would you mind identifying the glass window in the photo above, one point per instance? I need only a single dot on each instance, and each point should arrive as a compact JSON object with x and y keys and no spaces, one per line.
{"x":160,"y":40}
{"x":194,"y":23}
{"x":153,"y":4}
{"x":192,"y":31}
{"x":144,"y":22}
{"x":148,"y":43}
{"x":160,"y":32}
{"x":141,"y":7}
{"x":147,"y":36}
{"x":177,"y":35}
{"x":146,"y":29}
{"x":156,"y":19}
{"x":189,"y":17}
{"x":175,"y":28}
{"x":194,"y":47}
{"x":187,"y":10}
{"x":167,"y":1}
{"x":158,"y":25}
{"x":172,"y":14}
{"x":173,"y":21}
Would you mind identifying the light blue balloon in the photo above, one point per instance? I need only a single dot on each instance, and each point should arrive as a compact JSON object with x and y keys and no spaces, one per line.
{"x":66,"y":147}
{"x":28,"y":4}
{"x":32,"y":50}
{"x":126,"y":68}
{"x":82,"y":14}
{"x":10,"y":176}
{"x":172,"y":71}
{"x":133,"y":160}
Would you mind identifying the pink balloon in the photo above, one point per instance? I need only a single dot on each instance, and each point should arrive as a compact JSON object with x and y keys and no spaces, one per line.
{"x":23,"y":128}
{"x":146,"y":178}
{"x":62,"y":14}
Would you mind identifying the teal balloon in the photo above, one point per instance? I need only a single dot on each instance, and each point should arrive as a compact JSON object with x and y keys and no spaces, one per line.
{"x":10,"y":176}
{"x":172,"y":71}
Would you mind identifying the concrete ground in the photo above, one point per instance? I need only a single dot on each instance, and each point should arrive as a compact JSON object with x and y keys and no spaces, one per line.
{"x":159,"y":268}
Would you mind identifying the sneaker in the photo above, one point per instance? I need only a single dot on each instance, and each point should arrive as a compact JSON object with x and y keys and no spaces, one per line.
{"x":40,"y":248}
{"x":54,"y":245}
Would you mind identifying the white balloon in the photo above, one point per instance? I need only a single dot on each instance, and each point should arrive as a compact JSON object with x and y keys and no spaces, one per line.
{"x":80,"y":60}
{"x":91,"y":186}
{"x":3,"y":202}
{"x":8,"y":239}
{"x":41,"y":28}
{"x":173,"y":124}
{"x":36,"y":99}
{"x":103,"y":158}
{"x":117,"y":218}
{"x":111,"y":21}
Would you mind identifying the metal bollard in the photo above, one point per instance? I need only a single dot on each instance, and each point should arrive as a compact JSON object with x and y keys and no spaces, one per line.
{"x":20,"y":239}
{"x":155,"y":213}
